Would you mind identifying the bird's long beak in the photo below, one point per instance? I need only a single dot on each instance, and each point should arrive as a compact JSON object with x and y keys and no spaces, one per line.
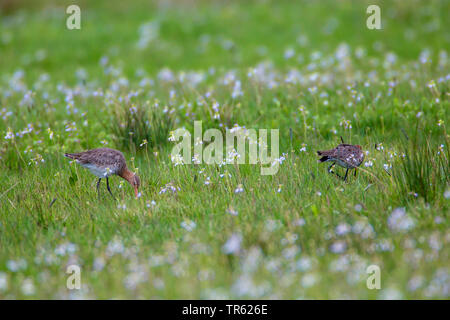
{"x":136,"y":192}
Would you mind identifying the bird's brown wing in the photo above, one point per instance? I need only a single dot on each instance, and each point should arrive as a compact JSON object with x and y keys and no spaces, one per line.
{"x":350,"y":154}
{"x":80,"y":157}
{"x":327,"y":153}
{"x":100,"y":157}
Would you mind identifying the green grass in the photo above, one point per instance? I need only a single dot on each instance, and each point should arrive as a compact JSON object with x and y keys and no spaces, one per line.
{"x":301,"y":233}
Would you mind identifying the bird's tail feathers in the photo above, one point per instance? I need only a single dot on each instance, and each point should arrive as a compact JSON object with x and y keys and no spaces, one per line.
{"x":324,"y":158}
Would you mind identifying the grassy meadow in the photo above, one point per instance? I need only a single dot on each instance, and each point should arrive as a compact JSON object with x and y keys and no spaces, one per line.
{"x":136,"y":71}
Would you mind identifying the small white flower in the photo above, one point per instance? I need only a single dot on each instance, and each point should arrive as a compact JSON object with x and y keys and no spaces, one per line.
{"x":279,"y":160}
{"x":16,"y":265}
{"x":415,"y":283}
{"x":9,"y":135}
{"x":28,"y":288}
{"x":152,"y":203}
{"x":447,"y":194}
{"x":188,"y":225}
{"x":99,"y":264}
{"x":3,"y":281}
{"x":196,"y":159}
{"x":239,"y":189}
{"x":391,"y":294}
{"x":169,"y":187}
{"x":438,"y":220}
{"x":114,"y":247}
{"x":300,"y":222}
{"x":342,"y":229}
{"x":289,"y":53}
{"x":231,"y":211}
{"x":233,"y":244}
{"x":400,"y":221}
{"x":304,"y":264}
{"x":177,"y":159}
{"x":308,"y":280}
{"x":347,"y":124}
{"x":338,"y":247}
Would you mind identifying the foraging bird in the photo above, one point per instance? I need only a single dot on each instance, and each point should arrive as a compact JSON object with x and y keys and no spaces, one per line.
{"x":346,"y":155}
{"x":104,"y":162}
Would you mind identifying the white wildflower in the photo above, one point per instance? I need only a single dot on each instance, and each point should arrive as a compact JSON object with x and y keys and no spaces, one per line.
{"x":233,"y":244}
{"x":399,"y":221}
{"x":188,"y":225}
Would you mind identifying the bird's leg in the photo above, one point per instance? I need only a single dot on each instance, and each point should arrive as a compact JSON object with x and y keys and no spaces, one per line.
{"x":331,"y":166}
{"x":346,"y":172}
{"x":98,"y":187}
{"x":356,"y":169}
{"x":107,"y":186}
{"x":329,"y":170}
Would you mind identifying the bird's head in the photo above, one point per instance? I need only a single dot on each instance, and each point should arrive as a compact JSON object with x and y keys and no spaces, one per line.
{"x":136,"y":183}
{"x":359,"y":147}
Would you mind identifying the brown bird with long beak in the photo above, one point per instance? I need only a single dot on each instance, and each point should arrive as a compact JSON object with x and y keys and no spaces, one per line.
{"x":345,"y":155}
{"x":104,"y":162}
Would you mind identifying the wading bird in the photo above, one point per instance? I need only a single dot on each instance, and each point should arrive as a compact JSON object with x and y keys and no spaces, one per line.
{"x":346,"y":155}
{"x":104,"y":162}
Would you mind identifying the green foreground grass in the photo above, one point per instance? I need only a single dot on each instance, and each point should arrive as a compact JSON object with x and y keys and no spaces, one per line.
{"x":311,"y":70}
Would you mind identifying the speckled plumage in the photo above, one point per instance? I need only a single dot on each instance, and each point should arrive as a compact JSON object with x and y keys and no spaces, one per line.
{"x":346,"y":155}
{"x":104,"y":162}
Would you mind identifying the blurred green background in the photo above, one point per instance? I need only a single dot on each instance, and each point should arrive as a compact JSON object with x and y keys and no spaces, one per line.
{"x":201,"y":34}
